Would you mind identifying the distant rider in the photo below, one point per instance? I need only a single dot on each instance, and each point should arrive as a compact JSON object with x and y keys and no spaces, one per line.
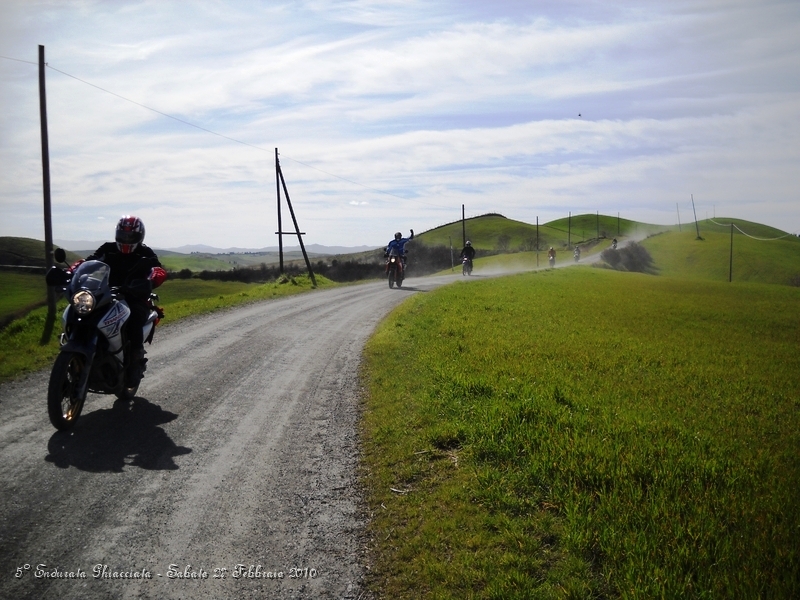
{"x":577,"y":253}
{"x":551,"y":255}
{"x":136,"y":269}
{"x":468,"y":252}
{"x":399,"y":244}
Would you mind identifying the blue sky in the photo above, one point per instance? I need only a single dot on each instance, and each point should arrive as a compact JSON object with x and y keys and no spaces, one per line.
{"x":390,"y":115}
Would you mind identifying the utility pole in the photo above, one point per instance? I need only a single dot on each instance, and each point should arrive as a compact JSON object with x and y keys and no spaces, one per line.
{"x":537,"y":241}
{"x":696,"y":224}
{"x":569,"y":231}
{"x":299,"y":234}
{"x":597,"y":222}
{"x":48,"y":220}
{"x":463,"y":228}
{"x":730,"y":268}
{"x":280,"y":229}
{"x":452,"y":261}
{"x":679,"y":217}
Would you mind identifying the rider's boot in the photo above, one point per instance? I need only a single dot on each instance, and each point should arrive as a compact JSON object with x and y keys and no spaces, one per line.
{"x":137,"y":367}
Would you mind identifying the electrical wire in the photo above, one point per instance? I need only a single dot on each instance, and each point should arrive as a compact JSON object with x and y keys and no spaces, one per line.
{"x":19,"y":60}
{"x":163,"y":114}
{"x":735,"y":226}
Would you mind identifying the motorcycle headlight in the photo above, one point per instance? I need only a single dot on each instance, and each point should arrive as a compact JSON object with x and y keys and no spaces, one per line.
{"x":83,"y":302}
{"x":393,"y":259}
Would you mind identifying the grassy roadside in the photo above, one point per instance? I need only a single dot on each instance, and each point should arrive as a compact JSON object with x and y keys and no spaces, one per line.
{"x":22,"y":350}
{"x":529,"y":438}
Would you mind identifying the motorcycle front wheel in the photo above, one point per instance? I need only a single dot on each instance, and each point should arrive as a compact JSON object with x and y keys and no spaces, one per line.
{"x":64,"y":402}
{"x":129,"y":392}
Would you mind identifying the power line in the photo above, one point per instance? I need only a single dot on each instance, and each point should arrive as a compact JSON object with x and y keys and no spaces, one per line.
{"x":163,"y":114}
{"x":735,"y":226}
{"x":20,"y":60}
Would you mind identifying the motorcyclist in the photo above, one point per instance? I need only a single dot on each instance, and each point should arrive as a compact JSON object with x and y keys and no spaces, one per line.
{"x":136,"y":269}
{"x":577,"y":253}
{"x":399,"y":244}
{"x":614,"y":243}
{"x":468,"y":251}
{"x":551,"y":255}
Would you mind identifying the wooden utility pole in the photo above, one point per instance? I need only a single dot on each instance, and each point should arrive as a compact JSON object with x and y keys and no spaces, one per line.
{"x":679,"y":216}
{"x":730,"y":268}
{"x":280,"y":233}
{"x":280,"y":229}
{"x":696,"y":224}
{"x":537,"y":241}
{"x":48,"y":220}
{"x":463,"y":228}
{"x":569,"y":231}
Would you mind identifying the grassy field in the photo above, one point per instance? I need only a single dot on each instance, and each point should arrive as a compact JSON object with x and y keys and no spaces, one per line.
{"x":25,"y":251}
{"x":538,"y":440}
{"x":28,"y":291}
{"x":485,"y":232}
{"x":683,"y":255}
{"x":22,"y":348}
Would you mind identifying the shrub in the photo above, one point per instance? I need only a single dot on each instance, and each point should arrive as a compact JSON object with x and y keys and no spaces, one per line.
{"x":633,"y":257}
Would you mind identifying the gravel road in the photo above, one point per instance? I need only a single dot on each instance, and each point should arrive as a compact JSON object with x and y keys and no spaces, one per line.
{"x":231,"y":475}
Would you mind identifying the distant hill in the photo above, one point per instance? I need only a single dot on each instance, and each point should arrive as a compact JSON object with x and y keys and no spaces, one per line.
{"x":761,"y":254}
{"x":26,"y":252}
{"x":497,"y":234}
{"x":85,"y":247}
{"x":675,"y":254}
{"x":310,"y":248}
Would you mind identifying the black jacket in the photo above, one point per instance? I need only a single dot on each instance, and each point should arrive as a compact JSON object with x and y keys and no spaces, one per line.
{"x":469,"y":252}
{"x":126,"y":268}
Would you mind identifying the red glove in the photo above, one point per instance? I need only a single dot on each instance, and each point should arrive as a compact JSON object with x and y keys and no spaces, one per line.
{"x":157,"y":276}
{"x":75,"y":265}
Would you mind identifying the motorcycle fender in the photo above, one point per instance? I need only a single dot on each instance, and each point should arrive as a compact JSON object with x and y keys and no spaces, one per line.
{"x":111,"y":325}
{"x":87,"y":350}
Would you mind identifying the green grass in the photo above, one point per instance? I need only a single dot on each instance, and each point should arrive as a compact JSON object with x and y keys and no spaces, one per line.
{"x":194,"y":263}
{"x":549,"y":443}
{"x":25,"y":251}
{"x":22,"y":349}
{"x":21,"y":292}
{"x":484,"y":232}
{"x":683,"y":255}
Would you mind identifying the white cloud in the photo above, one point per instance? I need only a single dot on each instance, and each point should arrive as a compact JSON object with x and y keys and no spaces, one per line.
{"x":404,"y":111}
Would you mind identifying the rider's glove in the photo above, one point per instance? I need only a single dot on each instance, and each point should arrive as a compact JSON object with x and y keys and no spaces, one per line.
{"x":75,"y":265}
{"x":157,"y":276}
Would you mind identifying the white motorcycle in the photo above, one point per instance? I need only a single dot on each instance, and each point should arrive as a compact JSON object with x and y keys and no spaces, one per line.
{"x":95,"y":354}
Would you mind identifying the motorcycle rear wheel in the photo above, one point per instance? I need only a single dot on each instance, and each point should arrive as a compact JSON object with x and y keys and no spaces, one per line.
{"x":64,"y":403}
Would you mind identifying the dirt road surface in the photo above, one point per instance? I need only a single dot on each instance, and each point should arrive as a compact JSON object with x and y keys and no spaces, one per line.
{"x":231,"y":475}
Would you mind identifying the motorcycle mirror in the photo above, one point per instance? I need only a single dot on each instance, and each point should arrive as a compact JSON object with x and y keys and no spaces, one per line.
{"x":60,"y":255}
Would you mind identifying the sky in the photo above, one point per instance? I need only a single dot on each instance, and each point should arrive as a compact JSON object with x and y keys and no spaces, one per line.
{"x":389,"y":115}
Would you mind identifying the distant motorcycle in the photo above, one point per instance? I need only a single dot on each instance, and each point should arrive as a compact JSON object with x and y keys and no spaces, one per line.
{"x":95,"y":354}
{"x":394,"y":268}
{"x":577,"y":254}
{"x":466,"y":266}
{"x":614,"y":244}
{"x":552,"y":260}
